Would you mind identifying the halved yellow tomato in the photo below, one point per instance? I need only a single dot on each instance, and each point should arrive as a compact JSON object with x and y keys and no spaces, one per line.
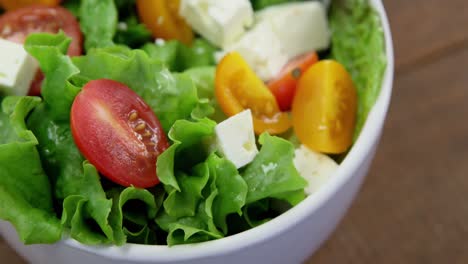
{"x":324,"y":108}
{"x":163,"y":20}
{"x":238,"y":88}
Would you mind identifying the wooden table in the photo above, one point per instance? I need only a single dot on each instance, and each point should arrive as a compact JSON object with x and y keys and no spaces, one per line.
{"x":412,"y":207}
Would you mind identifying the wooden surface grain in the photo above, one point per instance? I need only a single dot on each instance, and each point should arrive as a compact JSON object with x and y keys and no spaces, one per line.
{"x":412,"y":207}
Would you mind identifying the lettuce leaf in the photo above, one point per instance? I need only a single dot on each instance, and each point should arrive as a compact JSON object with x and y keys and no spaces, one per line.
{"x":179,"y":57}
{"x":25,"y":192}
{"x":165,"y":53}
{"x":98,"y":22}
{"x":57,"y":90}
{"x":132,"y":33}
{"x":188,"y":146}
{"x":193,"y":226}
{"x":231,"y":189}
{"x":220,"y":191}
{"x":75,"y":182}
{"x":272,"y":173}
{"x":199,"y":54}
{"x":204,"y":80}
{"x":133,"y":210}
{"x":202,"y":187}
{"x":358,"y":43}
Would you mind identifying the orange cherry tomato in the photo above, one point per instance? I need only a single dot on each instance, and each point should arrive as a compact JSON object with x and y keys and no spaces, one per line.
{"x":284,"y":86}
{"x":15,"y":4}
{"x":163,"y":20}
{"x":324,"y":108}
{"x":238,"y":88}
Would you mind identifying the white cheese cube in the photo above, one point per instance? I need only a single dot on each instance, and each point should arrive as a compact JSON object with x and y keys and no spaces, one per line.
{"x":17,"y":68}
{"x":235,"y":139}
{"x":262,"y":50}
{"x":300,"y":27}
{"x":315,"y":167}
{"x":220,"y":21}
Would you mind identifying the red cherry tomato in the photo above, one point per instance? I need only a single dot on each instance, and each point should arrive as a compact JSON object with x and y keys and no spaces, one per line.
{"x":118,"y":133}
{"x":284,"y":86}
{"x":16,"y":25}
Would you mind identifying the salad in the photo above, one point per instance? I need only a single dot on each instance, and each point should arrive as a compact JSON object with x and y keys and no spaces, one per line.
{"x":170,"y":122}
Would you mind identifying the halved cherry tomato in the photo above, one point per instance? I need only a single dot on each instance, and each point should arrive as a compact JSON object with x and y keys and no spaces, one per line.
{"x":163,"y":20}
{"x":118,"y":133}
{"x":238,"y":88}
{"x":324,"y":108}
{"x":15,"y":4}
{"x":18,"y":24}
{"x":284,"y":86}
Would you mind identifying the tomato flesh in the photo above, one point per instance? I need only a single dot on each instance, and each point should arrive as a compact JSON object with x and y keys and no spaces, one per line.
{"x":284,"y":86}
{"x":237,"y":88}
{"x":163,"y":20}
{"x":324,"y":108}
{"x":18,"y":24}
{"x":118,"y":133}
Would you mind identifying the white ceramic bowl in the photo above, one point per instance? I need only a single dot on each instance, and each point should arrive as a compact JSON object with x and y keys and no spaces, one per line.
{"x":289,"y":238}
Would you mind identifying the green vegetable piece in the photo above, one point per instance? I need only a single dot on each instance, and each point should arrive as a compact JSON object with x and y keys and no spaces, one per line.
{"x":188,"y":145}
{"x":133,"y":210}
{"x":184,"y":202}
{"x":190,"y":229}
{"x":98,"y":22}
{"x":166,"y":53}
{"x":201,"y":53}
{"x":359,"y":44}
{"x":25,"y":192}
{"x":231,"y":187}
{"x":131,"y":33}
{"x":179,"y":57}
{"x":272,"y":172}
{"x":204,"y":80}
{"x":58,"y":92}
{"x":76,"y":182}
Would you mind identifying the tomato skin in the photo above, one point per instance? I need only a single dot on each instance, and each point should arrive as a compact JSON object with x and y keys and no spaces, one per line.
{"x":163,"y":20}
{"x":238,"y":88}
{"x":16,"y":4}
{"x":118,"y":133}
{"x":284,"y":86}
{"x":18,"y":24}
{"x":324,"y":108}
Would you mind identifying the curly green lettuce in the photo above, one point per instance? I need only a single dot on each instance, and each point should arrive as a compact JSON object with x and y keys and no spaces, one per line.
{"x":25,"y":191}
{"x":359,"y":44}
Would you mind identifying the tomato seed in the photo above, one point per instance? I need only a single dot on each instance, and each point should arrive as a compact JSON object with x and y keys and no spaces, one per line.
{"x":147,"y":133}
{"x":140,"y":127}
{"x":133,"y":116}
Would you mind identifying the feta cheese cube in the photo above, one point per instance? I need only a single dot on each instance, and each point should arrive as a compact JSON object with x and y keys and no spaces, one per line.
{"x":315,"y":167}
{"x":17,"y":68}
{"x":262,"y":50}
{"x":281,"y":33}
{"x":235,"y":139}
{"x":300,"y":27}
{"x":220,"y":21}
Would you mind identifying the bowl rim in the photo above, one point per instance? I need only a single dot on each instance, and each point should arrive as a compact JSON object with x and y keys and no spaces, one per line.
{"x":367,"y":139}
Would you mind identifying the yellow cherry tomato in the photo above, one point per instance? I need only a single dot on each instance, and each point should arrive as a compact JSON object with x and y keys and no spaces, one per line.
{"x":324,"y":108}
{"x":15,"y":4}
{"x":237,"y":88}
{"x":163,"y":20}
